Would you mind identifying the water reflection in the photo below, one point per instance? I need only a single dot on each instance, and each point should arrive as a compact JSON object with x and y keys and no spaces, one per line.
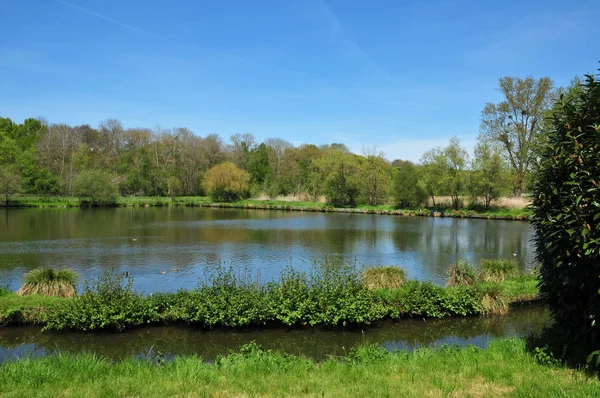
{"x":190,"y":239}
{"x":315,"y":343}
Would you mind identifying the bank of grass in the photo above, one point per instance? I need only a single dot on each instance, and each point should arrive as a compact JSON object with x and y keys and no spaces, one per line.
{"x":505,"y":213}
{"x":332,"y":294}
{"x":505,"y":368}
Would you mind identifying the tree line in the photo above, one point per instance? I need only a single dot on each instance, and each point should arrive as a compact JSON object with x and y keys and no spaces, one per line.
{"x":57,"y":159}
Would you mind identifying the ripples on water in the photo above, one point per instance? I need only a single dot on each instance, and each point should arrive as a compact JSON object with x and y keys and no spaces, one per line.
{"x":192,"y":239}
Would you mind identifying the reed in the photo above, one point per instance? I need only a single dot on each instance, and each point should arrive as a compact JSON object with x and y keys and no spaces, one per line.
{"x":390,"y":277}
{"x":497,"y":270}
{"x":461,"y":273}
{"x":49,"y":282}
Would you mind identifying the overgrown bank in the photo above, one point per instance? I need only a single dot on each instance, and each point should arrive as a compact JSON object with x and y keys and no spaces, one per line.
{"x":506,"y":368}
{"x":332,"y":294}
{"x":202,"y":201}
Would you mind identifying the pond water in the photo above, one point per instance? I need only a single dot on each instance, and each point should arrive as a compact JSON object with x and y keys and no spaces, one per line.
{"x":170,"y":341}
{"x":146,"y":241}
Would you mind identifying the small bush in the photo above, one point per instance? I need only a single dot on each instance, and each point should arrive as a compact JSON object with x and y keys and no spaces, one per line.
{"x":497,"y":270}
{"x":494,"y":299}
{"x":461,"y":273}
{"x":390,"y":277}
{"x":49,"y":282}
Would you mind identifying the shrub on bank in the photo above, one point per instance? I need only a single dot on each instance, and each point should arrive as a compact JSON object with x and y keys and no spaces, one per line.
{"x":461,"y":273}
{"x":110,"y":302}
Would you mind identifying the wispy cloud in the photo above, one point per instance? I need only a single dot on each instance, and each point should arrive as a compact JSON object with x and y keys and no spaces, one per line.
{"x":399,"y":148}
{"x":340,"y":34}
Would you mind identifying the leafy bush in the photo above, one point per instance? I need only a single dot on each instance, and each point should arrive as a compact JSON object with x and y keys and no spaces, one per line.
{"x":408,"y":192}
{"x":96,"y":188}
{"x":49,"y":282}
{"x":566,"y":215}
{"x":497,"y":270}
{"x":390,"y":277}
{"x":461,"y":273}
{"x":424,"y":299}
{"x":110,"y":303}
{"x":226,"y":182}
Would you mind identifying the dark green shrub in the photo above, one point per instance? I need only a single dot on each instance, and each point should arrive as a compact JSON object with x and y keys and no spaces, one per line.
{"x":110,"y":303}
{"x":566,"y":217}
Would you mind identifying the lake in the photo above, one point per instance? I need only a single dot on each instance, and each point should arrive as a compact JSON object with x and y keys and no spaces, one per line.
{"x":148,"y":241}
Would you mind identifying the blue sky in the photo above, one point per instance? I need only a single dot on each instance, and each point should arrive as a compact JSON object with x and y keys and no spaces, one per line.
{"x":401,"y":76}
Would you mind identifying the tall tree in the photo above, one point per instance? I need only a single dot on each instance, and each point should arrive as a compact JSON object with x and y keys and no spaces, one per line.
{"x":516,"y":122}
{"x":456,"y":161}
{"x":489,"y":174}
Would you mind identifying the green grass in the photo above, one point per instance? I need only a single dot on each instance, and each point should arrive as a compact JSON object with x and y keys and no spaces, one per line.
{"x":390,"y":277}
{"x":524,"y":288}
{"x":31,"y":309}
{"x":49,"y":282}
{"x":498,"y":269}
{"x":65,"y":201}
{"x":503,"y":369}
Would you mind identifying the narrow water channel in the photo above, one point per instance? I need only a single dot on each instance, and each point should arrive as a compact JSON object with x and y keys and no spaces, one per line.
{"x":170,"y":341}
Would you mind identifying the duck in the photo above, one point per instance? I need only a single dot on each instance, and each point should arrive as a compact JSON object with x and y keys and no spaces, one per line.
{"x":175,"y":269}
{"x":134,"y":239}
{"x":163,"y":272}
{"x":126,"y":274}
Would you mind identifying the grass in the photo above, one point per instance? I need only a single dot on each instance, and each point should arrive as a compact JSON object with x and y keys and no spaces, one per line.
{"x":49,"y":282}
{"x":497,"y":270}
{"x":461,"y":273}
{"x":390,"y":277}
{"x":501,"y":212}
{"x":506,"y":368}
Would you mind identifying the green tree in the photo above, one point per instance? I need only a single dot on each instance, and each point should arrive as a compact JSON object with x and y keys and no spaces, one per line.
{"x":454,"y":178}
{"x":376,"y":175}
{"x":226,"y":182}
{"x":96,"y":187}
{"x":516,"y":122}
{"x":433,"y":171}
{"x":566,"y":216}
{"x":489,"y":175}
{"x":408,"y":192}
{"x":10,"y":181}
{"x":342,"y":180}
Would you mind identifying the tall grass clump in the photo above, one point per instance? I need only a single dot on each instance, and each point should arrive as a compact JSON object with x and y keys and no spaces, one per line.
{"x":108,"y":302}
{"x":494,"y":299}
{"x":461,"y":273}
{"x":49,"y":282}
{"x":390,"y":277}
{"x":497,"y":270}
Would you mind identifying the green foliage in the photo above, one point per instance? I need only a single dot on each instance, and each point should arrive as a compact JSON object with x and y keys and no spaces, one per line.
{"x":10,"y":182}
{"x":96,"y":188}
{"x":497,"y":270}
{"x":489,"y":176}
{"x":390,"y":277}
{"x":494,"y":299}
{"x":376,"y":176}
{"x":516,"y":122}
{"x":110,"y":302}
{"x":566,"y":215}
{"x":461,"y":273}
{"x":505,"y":368}
{"x":342,"y":180}
{"x":408,"y":192}
{"x":424,"y":299}
{"x":226,"y":182}
{"x":49,"y":282}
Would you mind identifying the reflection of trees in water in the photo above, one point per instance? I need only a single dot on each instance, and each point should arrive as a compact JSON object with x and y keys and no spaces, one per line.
{"x":317,"y":343}
{"x":440,"y":242}
{"x":91,"y":239}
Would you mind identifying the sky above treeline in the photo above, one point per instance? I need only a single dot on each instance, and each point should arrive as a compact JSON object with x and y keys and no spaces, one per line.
{"x":403,"y":76}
